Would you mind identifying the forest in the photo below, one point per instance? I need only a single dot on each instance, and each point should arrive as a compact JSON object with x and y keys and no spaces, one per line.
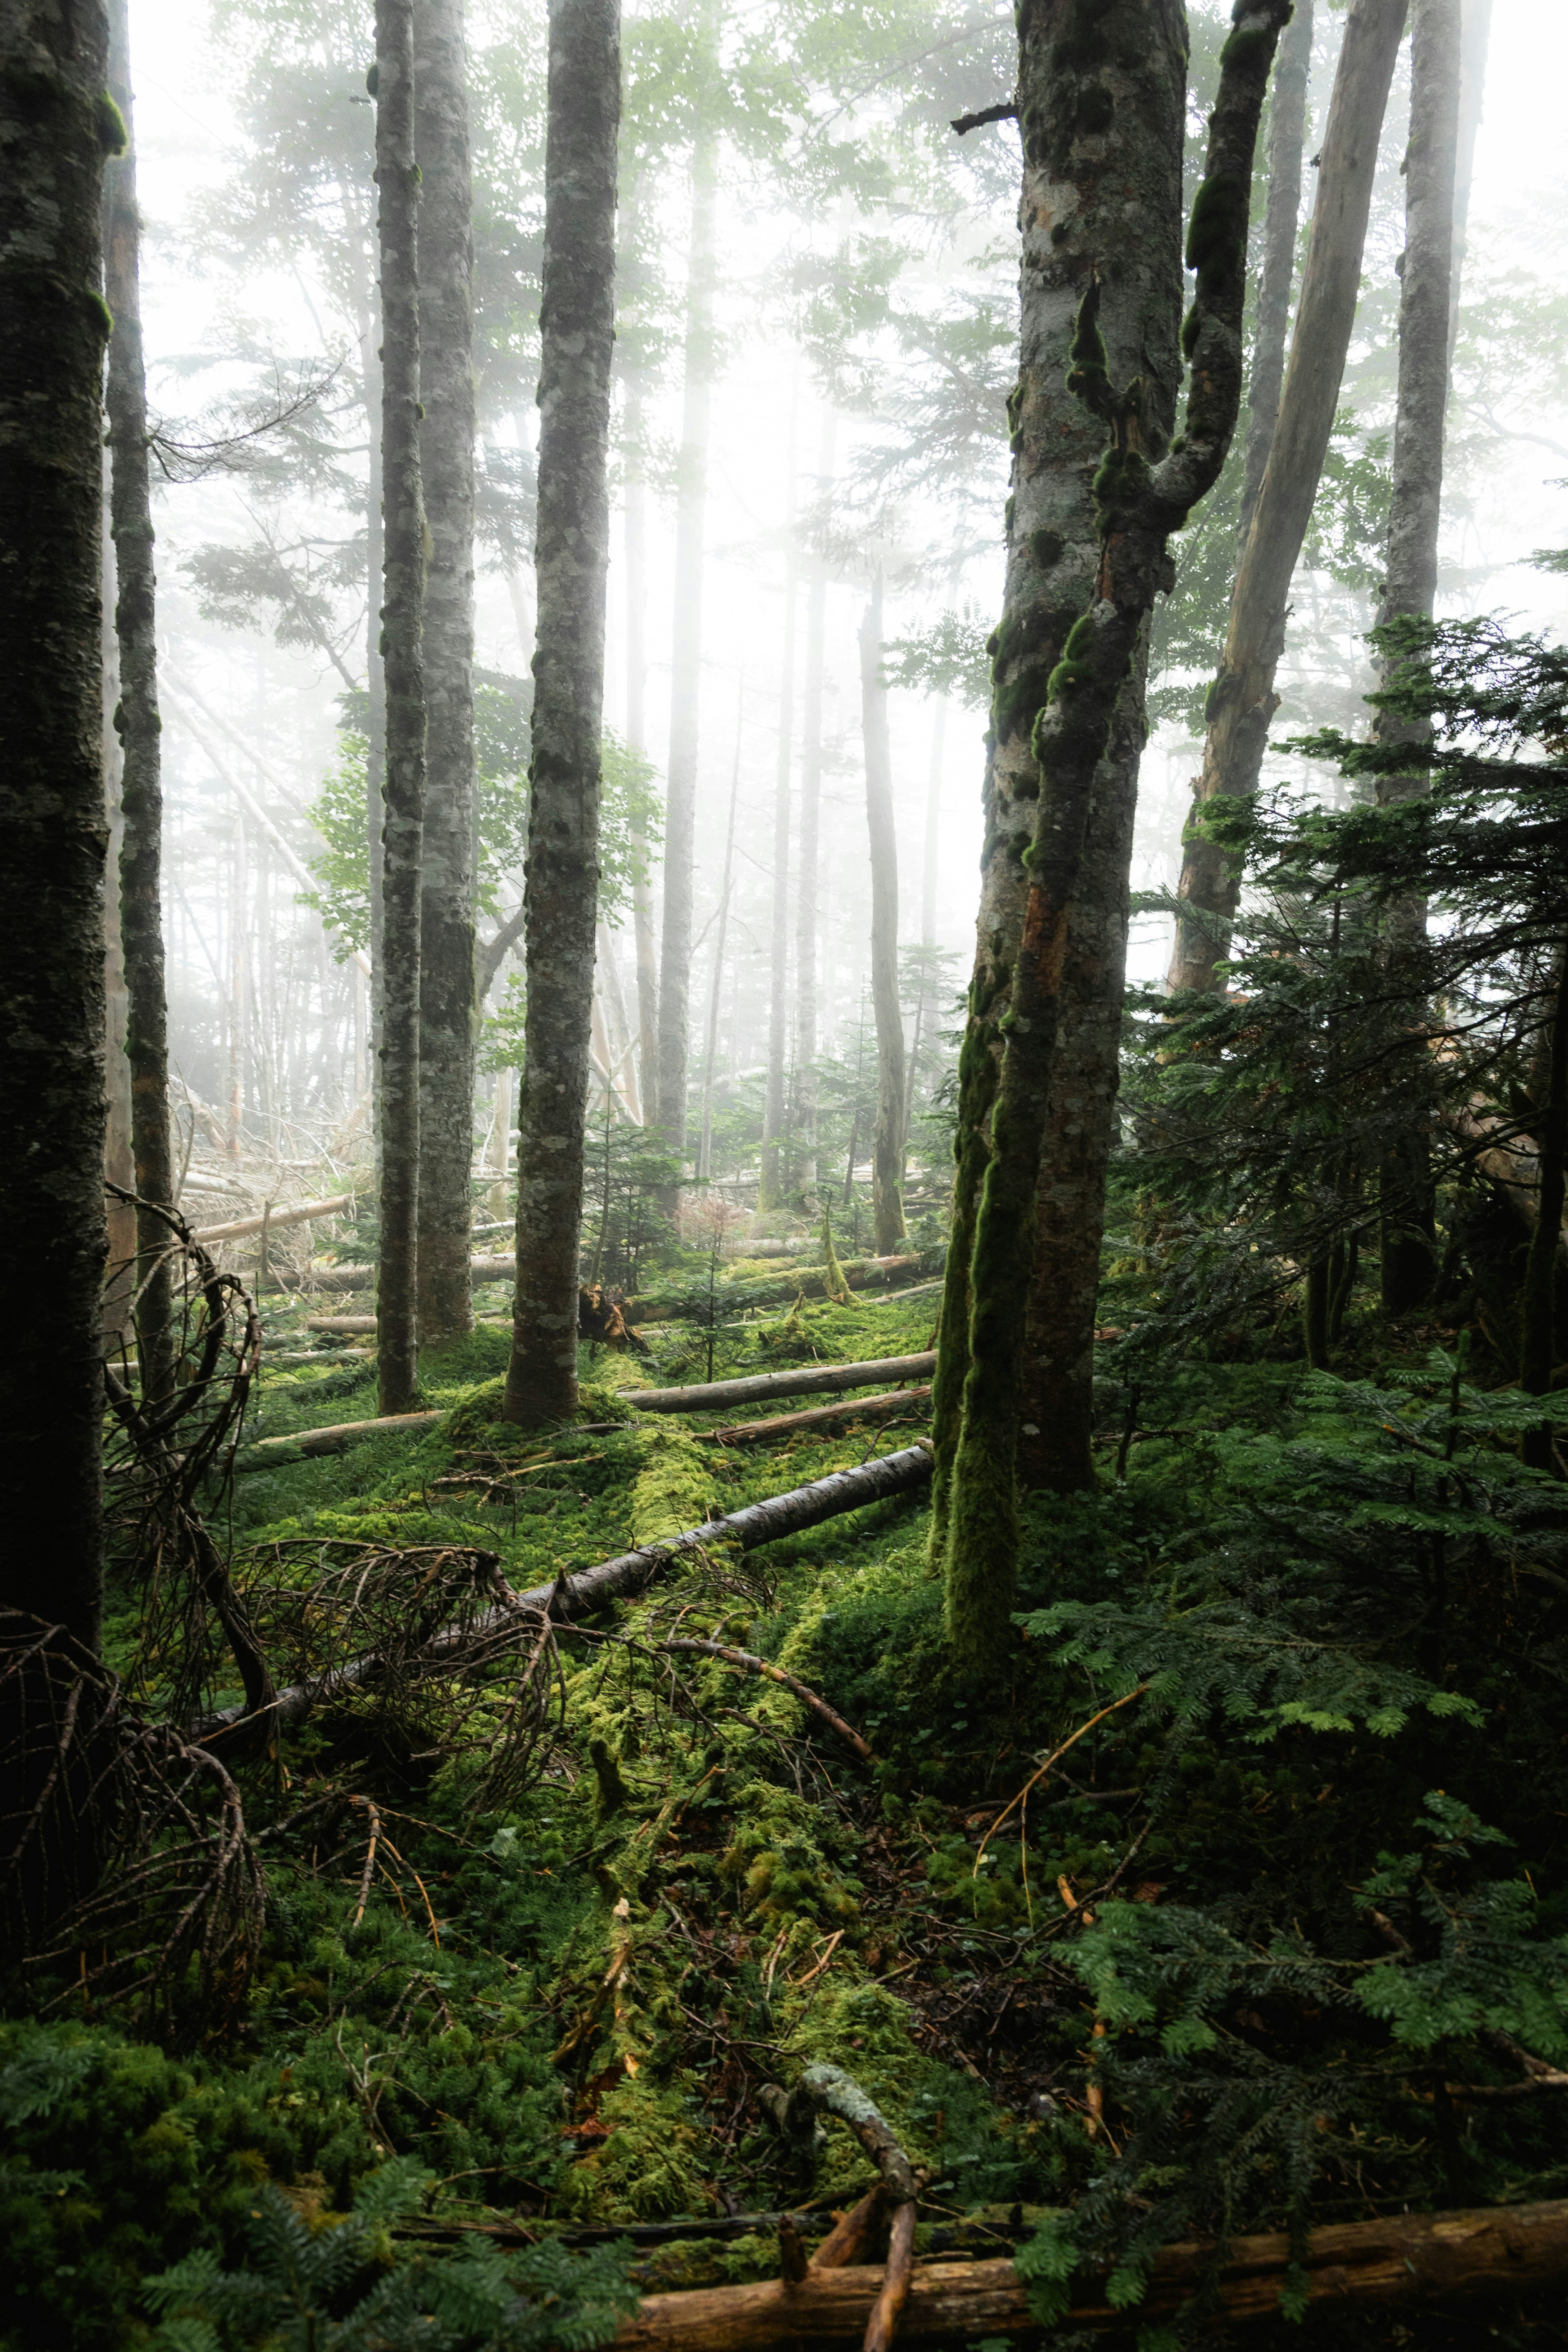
{"x":783,"y":1212}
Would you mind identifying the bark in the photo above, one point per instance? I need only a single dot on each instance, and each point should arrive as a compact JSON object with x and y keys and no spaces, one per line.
{"x":579,"y":1596}
{"x":807,"y":913}
{"x":449,"y":1011}
{"x":572,"y":559}
{"x":774,"y":1176}
{"x":685,"y":653}
{"x":403,"y":524}
{"x":636,"y":734}
{"x":1143,"y":490}
{"x":933,"y":823}
{"x":1476,"y":34}
{"x":119,"y":1159}
{"x":827,"y":1417}
{"x":339,"y":1436}
{"x":1286,"y":139}
{"x":1537,"y":1353}
{"x":809,"y":1380}
{"x":887,"y":1141}
{"x":138,"y":726}
{"x":1490,"y":2254}
{"x":1056,"y":1401}
{"x":1242,"y":699}
{"x":710,"y":1042}
{"x":55,"y":130}
{"x":1406,"y":1222}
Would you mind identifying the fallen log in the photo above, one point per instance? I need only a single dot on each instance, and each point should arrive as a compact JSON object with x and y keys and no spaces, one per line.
{"x":821,"y":1416}
{"x":341,"y":1435}
{"x":1402,"y":2258}
{"x":348,"y":1327}
{"x":1511,"y":1160}
{"x":804,"y":1380}
{"x":274,"y":1221}
{"x":828,"y":2090}
{"x":770,"y":1289}
{"x":362,"y":1278}
{"x":580,"y":1595}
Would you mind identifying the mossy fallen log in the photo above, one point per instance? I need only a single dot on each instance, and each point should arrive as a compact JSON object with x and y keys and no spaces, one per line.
{"x":1402,"y":2258}
{"x":761,"y":1290}
{"x":580,"y":1595}
{"x":342,"y":1433}
{"x":803,"y":1379}
{"x":823,"y":1417}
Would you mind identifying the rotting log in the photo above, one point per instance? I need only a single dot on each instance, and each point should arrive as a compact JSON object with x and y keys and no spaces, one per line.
{"x":274,"y":1221}
{"x":805,"y":1380}
{"x":347,"y":1327}
{"x":821,"y":1417}
{"x":1401,"y":2258}
{"x":344,"y":1433}
{"x":575,"y":1596}
{"x":770,"y":1289}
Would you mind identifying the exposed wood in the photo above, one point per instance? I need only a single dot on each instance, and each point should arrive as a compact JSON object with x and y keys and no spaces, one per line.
{"x":348,"y":1327}
{"x":805,"y":1380}
{"x":823,"y":1416}
{"x":274,"y":1221}
{"x":573,"y":1596}
{"x":344,"y":1433}
{"x":1402,"y":2258}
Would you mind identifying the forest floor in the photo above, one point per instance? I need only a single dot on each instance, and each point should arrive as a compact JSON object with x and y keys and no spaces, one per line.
{"x":1260,"y":1950}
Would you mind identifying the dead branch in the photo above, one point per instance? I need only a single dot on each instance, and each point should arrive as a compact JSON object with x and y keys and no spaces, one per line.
{"x":755,"y":1665}
{"x":1399,"y":2258}
{"x":828,"y":2090}
{"x":342,"y":1433}
{"x":805,"y":1380}
{"x":828,"y":1417}
{"x":271,"y":1221}
{"x":1004,"y":110}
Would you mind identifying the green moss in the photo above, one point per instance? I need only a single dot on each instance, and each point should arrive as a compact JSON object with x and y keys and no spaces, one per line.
{"x":1218,"y":227}
{"x":651,"y":2165}
{"x":113,"y":138}
{"x":1248,"y":45}
{"x":1088,"y":370}
{"x":1075,"y":668}
{"x":674,"y":1487}
{"x":1120,"y":481}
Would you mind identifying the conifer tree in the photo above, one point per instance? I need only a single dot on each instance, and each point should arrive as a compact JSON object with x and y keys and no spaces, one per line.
{"x":403,"y":508}
{"x":138,"y":726}
{"x":887,"y":1136}
{"x":571,"y":559}
{"x":57,"y":123}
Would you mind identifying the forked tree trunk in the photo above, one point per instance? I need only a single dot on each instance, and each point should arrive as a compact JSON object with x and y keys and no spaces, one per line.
{"x":686,"y":656}
{"x":1242,"y":700}
{"x":138,"y":724}
{"x":807,"y":913}
{"x":888,"y":1139}
{"x":403,"y":510}
{"x":56,"y":128}
{"x":1143,"y":490}
{"x":447,"y":1011}
{"x":571,"y":562}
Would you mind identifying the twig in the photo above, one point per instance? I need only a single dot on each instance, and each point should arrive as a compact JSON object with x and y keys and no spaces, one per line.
{"x":1023,"y":1795}
{"x":750,"y":1664}
{"x":1004,"y":110}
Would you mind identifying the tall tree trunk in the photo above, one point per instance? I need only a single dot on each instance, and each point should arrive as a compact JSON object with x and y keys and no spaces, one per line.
{"x":637,"y":737}
{"x":806,"y":911}
{"x":1474,"y":36}
{"x":56,"y":128}
{"x":119,"y":1159}
{"x":1406,"y":1222}
{"x":1286,"y":139}
{"x":448,"y":1012}
{"x":375,"y":696}
{"x":1056,"y":1399}
{"x":933,"y":823}
{"x":686,"y":659}
{"x":571,"y":562}
{"x":770,"y":1191}
{"x":1242,"y":699}
{"x":137,"y":724}
{"x":1538,"y":1354}
{"x":1143,"y":490}
{"x":402,"y":833}
{"x":715,"y":989}
{"x":888,"y":1142}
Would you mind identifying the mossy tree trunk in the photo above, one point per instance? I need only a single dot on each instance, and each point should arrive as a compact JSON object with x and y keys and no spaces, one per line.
{"x":1286,"y":144}
{"x":1406,"y":1218}
{"x":686,"y":652}
{"x":449,"y":1011}
{"x":1073,"y":76}
{"x":403,"y":823}
{"x":119,"y":1158}
{"x":57,"y":125}
{"x":1242,"y":700}
{"x":571,"y":562}
{"x":138,"y":726}
{"x":808,"y":850}
{"x":887,"y":1138}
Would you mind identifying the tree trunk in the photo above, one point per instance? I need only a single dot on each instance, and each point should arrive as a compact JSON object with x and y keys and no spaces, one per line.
{"x":771,"y":1188}
{"x":1406,"y":1218}
{"x":934,"y":823}
{"x":1136,"y":78}
{"x":756,"y":1388}
{"x":1056,"y":1401}
{"x":137,"y":724}
{"x":888,"y":1142}
{"x":119,"y":1159}
{"x":1538,"y":1355}
{"x":710,"y":1042}
{"x":56,"y":127}
{"x":1242,"y":699}
{"x":448,"y":1014}
{"x":572,"y":561}
{"x":1475,"y":35}
{"x":637,"y":737}
{"x":1287,"y":139}
{"x":686,"y":656}
{"x":807,"y":913}
{"x":403,"y":512}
